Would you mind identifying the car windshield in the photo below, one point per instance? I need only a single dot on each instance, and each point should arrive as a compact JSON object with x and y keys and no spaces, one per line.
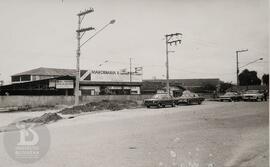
{"x":252,"y":91}
{"x":161,"y":96}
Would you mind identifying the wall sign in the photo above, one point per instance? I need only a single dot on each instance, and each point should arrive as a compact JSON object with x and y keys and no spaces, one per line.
{"x":113,"y":76}
{"x":64,"y":84}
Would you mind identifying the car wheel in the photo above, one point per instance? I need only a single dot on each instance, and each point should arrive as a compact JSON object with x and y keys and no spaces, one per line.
{"x":159,"y":105}
{"x":199,"y":102}
{"x":173,"y":105}
{"x":148,"y":106}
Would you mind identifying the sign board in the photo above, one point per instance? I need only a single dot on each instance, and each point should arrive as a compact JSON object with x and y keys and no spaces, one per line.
{"x":114,"y":76}
{"x":114,"y":87}
{"x":64,"y":84}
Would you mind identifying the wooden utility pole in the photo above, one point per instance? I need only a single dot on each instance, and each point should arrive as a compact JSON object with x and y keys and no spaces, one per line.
{"x":79,"y":36}
{"x":170,"y":41}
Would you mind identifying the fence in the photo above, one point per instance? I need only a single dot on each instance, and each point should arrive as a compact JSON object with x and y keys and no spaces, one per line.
{"x":36,"y":101}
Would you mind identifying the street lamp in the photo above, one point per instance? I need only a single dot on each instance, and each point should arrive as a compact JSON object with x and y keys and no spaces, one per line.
{"x":237,"y":65}
{"x":106,"y":61}
{"x":80,"y":30}
{"x":251,"y":62}
{"x":111,"y":22}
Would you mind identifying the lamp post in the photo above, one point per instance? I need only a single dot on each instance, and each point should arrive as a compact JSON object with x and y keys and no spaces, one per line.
{"x":237,"y":65}
{"x":254,"y":61}
{"x":106,"y":61}
{"x":80,"y":30}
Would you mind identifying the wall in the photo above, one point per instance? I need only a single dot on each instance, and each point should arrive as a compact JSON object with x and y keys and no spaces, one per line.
{"x":34,"y":101}
{"x":206,"y":95}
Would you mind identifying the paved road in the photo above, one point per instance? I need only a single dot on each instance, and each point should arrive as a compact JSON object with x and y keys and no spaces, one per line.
{"x":212,"y":134}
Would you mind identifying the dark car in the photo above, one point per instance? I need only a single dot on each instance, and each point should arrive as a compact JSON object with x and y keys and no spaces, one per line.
{"x":230,"y":96}
{"x":160,"y":100}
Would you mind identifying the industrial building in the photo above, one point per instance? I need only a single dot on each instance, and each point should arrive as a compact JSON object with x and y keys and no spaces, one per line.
{"x":152,"y":86}
{"x":52,"y":81}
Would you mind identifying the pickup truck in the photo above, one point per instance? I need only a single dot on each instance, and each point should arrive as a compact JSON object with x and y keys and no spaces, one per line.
{"x":189,"y":98}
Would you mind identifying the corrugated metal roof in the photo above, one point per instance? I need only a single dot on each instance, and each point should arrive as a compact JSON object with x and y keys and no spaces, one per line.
{"x":37,"y":81}
{"x":49,"y":71}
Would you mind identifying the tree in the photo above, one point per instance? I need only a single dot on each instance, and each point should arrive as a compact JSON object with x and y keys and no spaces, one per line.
{"x":265,"y":79}
{"x":224,"y":86}
{"x":249,"y":78}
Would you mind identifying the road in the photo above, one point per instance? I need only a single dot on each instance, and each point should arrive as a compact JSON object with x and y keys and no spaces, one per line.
{"x":230,"y":134}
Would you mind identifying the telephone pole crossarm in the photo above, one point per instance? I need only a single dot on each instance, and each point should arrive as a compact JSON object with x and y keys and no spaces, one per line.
{"x":85,"y":29}
{"x":86,"y":12}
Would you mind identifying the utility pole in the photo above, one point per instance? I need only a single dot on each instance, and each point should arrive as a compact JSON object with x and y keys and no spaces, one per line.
{"x":170,"y":39}
{"x":237,"y":65}
{"x":130,"y":66}
{"x":80,"y":30}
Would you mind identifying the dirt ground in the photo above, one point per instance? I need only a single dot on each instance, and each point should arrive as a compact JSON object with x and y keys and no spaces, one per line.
{"x":230,"y":134}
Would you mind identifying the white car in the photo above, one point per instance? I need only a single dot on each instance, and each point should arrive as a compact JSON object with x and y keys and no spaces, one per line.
{"x":253,"y":95}
{"x":189,"y":98}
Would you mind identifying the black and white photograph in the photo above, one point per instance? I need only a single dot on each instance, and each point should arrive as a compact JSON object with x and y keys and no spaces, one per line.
{"x":134,"y":83}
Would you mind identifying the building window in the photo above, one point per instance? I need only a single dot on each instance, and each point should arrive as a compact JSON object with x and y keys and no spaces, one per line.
{"x":34,"y":77}
{"x":15,"y":79}
{"x":25,"y":78}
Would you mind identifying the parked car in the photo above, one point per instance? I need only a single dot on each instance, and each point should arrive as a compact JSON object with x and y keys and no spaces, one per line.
{"x":230,"y":96}
{"x":160,"y":100}
{"x":189,"y":98}
{"x":252,"y":95}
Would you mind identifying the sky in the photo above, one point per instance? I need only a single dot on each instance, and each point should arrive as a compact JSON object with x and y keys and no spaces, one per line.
{"x":42,"y":33}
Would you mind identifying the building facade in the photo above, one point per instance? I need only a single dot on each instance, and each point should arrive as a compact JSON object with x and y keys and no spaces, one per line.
{"x":205,"y":85}
{"x":92,"y":82}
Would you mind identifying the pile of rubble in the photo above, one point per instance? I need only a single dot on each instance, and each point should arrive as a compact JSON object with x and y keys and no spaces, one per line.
{"x":112,"y":105}
{"x":44,"y":119}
